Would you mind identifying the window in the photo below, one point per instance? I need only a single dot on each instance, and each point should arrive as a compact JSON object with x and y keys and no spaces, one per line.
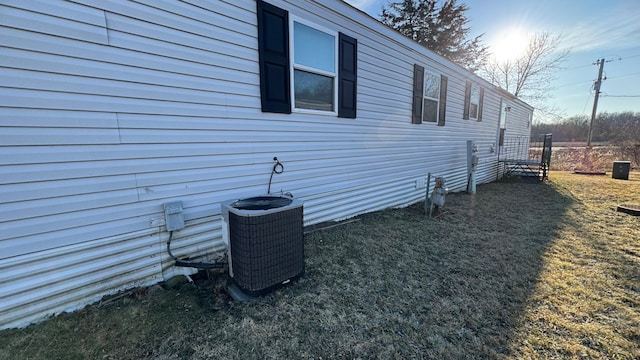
{"x":429,"y":97}
{"x":303,"y":66}
{"x":314,"y":56}
{"x":473,"y":99}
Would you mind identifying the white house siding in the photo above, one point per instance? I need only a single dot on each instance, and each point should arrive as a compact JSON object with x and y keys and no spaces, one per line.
{"x":518,"y":118}
{"x":518,"y":123}
{"x":108,"y":109}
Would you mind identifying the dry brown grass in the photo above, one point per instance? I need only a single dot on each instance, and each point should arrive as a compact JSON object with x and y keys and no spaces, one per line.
{"x":586,"y":303}
{"x":599,"y":158}
{"x":519,"y":270}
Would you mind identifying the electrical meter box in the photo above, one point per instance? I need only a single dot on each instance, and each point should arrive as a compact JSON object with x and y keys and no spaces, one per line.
{"x":173,"y":215}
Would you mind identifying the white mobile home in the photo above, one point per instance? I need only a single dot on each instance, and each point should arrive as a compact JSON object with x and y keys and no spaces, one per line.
{"x":111,"y":108}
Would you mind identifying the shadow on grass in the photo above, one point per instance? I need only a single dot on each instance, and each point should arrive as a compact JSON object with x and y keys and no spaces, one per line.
{"x":588,"y":304}
{"x":452,"y":287}
{"x":395,"y":284}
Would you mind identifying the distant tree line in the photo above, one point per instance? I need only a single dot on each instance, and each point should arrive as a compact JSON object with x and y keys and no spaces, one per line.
{"x":608,"y":127}
{"x":620,"y":129}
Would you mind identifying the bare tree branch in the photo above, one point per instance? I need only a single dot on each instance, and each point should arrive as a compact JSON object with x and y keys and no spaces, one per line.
{"x":531,"y":74}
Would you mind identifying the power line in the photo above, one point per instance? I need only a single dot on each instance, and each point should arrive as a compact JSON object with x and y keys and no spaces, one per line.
{"x":621,"y":96}
{"x":575,"y":83}
{"x":584,"y":109}
{"x":619,"y":58}
{"x":623,"y":75}
{"x":591,"y":81}
{"x":577,"y":67}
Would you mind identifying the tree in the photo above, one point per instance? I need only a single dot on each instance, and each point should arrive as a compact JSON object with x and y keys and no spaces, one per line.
{"x":442,"y":30}
{"x":623,"y":131}
{"x":529,"y":76}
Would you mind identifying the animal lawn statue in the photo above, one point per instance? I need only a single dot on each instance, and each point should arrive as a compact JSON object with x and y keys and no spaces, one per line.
{"x":436,"y":200}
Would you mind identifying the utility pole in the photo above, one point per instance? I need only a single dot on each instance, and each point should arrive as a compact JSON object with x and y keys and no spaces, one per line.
{"x":596,"y":86}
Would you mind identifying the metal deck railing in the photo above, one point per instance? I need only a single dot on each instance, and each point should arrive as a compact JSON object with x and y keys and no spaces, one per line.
{"x":520,"y":156}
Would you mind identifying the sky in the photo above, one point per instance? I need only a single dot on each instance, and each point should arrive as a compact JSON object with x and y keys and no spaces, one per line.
{"x":590,"y":29}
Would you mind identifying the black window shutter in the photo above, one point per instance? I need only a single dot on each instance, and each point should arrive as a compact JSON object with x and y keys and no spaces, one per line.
{"x":443,"y":100}
{"x":347,"y":76}
{"x":480,"y":104}
{"x":273,"y":53}
{"x":467,"y":101}
{"x":418,"y":91}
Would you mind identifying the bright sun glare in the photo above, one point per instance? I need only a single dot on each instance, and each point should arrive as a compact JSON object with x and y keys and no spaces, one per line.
{"x":509,"y":45}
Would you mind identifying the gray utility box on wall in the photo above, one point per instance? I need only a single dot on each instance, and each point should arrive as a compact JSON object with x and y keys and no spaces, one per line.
{"x":266,"y":242}
{"x":621,"y":170}
{"x":174,"y":218}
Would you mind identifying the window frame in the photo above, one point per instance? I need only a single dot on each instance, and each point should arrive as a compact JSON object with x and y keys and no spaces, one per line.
{"x":466,"y":111}
{"x":471,"y":103}
{"x":418,"y":95}
{"x":425,"y":97}
{"x":293,"y":66}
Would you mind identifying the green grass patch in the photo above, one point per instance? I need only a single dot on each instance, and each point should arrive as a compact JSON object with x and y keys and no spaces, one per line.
{"x":519,"y":270}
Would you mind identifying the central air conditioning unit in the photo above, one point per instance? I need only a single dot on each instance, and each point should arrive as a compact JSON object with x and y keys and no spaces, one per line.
{"x":265,"y":238}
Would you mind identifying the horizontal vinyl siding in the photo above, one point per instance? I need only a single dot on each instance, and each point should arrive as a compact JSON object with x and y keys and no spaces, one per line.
{"x":70,"y":277}
{"x":70,"y":21}
{"x":78,"y":117}
{"x":154,"y":101}
{"x":518,"y":121}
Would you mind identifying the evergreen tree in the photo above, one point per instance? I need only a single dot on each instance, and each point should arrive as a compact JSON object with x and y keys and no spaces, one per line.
{"x":442,"y":30}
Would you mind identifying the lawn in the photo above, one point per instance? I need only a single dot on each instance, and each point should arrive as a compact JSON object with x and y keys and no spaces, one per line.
{"x":520,"y":270}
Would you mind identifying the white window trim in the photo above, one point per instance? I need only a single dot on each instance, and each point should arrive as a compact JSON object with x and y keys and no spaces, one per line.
{"x":474,"y":116}
{"x":424,"y":96}
{"x":293,"y":66}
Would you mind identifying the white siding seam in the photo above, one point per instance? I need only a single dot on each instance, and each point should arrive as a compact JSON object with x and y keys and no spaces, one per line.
{"x":106,"y":27}
{"x":117,"y":115}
